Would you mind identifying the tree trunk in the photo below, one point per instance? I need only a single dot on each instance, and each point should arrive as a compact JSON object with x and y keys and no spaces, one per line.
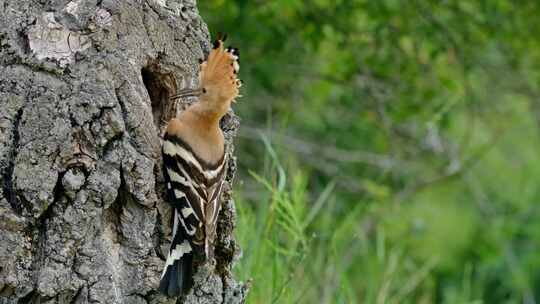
{"x":84,"y":91}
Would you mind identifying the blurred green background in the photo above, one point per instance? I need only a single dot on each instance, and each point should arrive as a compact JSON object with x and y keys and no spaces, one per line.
{"x":388,"y":151}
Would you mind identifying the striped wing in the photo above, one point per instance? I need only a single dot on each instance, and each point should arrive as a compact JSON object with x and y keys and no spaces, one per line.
{"x":193,"y":188}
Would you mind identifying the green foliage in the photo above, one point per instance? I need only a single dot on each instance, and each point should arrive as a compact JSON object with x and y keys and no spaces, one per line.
{"x":401,"y":149}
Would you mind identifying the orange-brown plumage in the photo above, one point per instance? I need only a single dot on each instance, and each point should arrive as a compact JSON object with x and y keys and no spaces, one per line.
{"x":219,"y":85}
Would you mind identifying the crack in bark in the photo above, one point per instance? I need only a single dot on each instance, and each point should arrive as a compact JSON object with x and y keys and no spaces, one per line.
{"x":29,"y":298}
{"x":7,"y":176}
{"x":113,"y":213}
{"x":125,"y":115}
{"x":152,"y":8}
{"x":76,"y":295}
{"x":158,"y":235}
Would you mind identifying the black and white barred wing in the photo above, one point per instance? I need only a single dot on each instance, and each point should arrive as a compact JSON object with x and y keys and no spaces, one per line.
{"x":193,"y":189}
{"x":185,"y":191}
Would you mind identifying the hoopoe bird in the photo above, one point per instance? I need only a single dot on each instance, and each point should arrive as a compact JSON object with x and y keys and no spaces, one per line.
{"x":194,"y":165}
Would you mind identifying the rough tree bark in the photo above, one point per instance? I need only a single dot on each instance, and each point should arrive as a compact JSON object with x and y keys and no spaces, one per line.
{"x":83,"y":94}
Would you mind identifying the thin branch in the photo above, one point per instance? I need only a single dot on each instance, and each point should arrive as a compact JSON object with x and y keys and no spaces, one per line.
{"x":327,"y":152}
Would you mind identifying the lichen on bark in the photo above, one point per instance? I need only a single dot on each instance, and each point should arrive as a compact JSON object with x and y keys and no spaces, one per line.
{"x":83,"y":97}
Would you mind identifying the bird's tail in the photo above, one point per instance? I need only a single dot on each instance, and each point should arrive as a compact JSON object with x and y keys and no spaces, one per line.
{"x":177,"y":273}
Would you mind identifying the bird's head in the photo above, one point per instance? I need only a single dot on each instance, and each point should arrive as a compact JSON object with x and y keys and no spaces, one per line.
{"x":218,"y":81}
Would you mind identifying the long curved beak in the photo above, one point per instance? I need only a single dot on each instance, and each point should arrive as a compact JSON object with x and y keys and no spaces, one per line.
{"x":187,"y":93}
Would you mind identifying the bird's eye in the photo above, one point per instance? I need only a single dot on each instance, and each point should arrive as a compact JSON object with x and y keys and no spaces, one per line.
{"x":204,"y":90}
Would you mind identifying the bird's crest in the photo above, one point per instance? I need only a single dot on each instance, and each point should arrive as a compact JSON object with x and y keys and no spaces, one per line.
{"x":220,"y":71}
{"x":218,"y":77}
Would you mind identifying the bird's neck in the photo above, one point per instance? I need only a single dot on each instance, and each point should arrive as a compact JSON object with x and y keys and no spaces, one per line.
{"x":202,"y":133}
{"x":208,"y":113}
{"x":204,"y":121}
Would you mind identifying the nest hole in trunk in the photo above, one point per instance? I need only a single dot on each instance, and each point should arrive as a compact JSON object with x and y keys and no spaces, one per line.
{"x":160,"y":86}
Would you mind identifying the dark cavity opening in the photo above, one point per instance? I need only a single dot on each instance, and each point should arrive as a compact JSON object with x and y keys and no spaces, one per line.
{"x":160,"y":86}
